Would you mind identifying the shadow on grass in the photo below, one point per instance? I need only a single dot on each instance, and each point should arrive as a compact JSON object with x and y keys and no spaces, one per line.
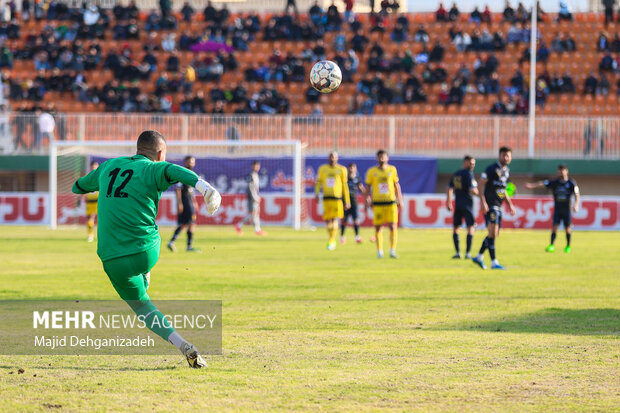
{"x":77,"y":367}
{"x":591,"y":321}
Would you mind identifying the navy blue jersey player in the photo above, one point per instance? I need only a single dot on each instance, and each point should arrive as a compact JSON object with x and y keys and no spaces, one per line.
{"x":563,"y":189}
{"x":186,"y":210}
{"x":494,"y":180}
{"x":355,"y":185}
{"x":463,"y":186}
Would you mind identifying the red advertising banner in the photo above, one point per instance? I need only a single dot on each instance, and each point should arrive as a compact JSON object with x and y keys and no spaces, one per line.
{"x":419,"y":211}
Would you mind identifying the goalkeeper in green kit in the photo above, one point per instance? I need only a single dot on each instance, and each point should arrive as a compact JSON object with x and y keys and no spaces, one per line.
{"x":128,"y":238}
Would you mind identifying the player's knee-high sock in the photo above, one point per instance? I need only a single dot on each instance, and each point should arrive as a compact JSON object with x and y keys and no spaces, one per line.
{"x":256,"y":219}
{"x":330,"y":227}
{"x":470,"y":238}
{"x":357,"y":229}
{"x":491,"y":247}
{"x":379,"y":235}
{"x":334,"y":232}
{"x":568,"y":235}
{"x":553,"y":235}
{"x":190,"y":238}
{"x":393,"y":238}
{"x":176,"y":233}
{"x":343,"y":225}
{"x":90,"y":225}
{"x":152,"y":317}
{"x":484,"y":246}
{"x":455,"y":239}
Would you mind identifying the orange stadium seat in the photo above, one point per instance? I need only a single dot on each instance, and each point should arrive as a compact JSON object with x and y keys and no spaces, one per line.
{"x":585,"y":29}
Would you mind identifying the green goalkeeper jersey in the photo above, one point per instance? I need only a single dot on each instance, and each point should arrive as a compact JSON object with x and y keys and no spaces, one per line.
{"x":129,"y":192}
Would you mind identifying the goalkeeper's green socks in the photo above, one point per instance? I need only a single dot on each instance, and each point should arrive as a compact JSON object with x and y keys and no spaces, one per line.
{"x":152,"y":318}
{"x":155,"y":321}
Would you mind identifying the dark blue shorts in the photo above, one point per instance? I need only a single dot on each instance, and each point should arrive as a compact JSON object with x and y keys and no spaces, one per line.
{"x":186,"y":217}
{"x":494,"y":216}
{"x":562,"y":216}
{"x":461,"y":214}
{"x":351,"y":212}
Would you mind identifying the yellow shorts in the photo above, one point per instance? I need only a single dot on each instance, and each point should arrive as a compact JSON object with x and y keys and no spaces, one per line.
{"x":332,"y":208}
{"x":91,"y":208}
{"x":385,"y":214}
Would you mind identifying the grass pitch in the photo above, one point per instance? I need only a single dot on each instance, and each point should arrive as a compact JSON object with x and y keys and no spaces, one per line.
{"x":308,"y":329}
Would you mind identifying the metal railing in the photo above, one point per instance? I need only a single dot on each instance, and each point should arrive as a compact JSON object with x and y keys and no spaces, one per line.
{"x":438,"y":136}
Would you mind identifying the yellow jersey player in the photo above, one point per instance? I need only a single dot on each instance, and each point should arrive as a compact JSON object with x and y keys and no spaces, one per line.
{"x":332,"y":181}
{"x":91,"y":207}
{"x":383,"y":192}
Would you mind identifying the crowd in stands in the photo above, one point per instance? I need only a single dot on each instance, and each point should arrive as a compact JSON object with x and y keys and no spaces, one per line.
{"x":72,"y":45}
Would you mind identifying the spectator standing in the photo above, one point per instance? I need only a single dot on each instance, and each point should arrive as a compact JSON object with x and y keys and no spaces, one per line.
{"x":475,"y":15}
{"x":348,"y":11}
{"x":509,"y":13}
{"x":486,"y":14}
{"x":609,"y":11}
{"x":291,"y":4}
{"x":564,"y":13}
{"x":187,"y":11}
{"x":210,"y":13}
{"x":5,"y":12}
{"x":441,"y":15}
{"x":453,"y":14}
{"x":60,"y":121}
{"x":45,"y":129}
{"x":165,"y":6}
{"x":26,"y":9}
{"x":20,"y":121}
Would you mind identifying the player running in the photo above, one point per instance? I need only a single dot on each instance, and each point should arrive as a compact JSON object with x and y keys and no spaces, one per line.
{"x":563,"y":189}
{"x":128,"y":239}
{"x":332,"y":181}
{"x":384,"y":193}
{"x":494,"y":181}
{"x":91,"y":207}
{"x":186,"y":210}
{"x":464,"y":186}
{"x":253,"y":201}
{"x":355,"y":184}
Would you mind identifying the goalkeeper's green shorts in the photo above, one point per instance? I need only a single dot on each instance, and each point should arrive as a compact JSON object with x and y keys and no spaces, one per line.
{"x":128,"y":274}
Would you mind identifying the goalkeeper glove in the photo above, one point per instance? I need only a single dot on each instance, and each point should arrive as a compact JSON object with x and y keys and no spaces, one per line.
{"x":213,"y":199}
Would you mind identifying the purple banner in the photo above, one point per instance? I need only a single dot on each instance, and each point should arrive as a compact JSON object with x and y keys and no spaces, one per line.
{"x":417,"y":175}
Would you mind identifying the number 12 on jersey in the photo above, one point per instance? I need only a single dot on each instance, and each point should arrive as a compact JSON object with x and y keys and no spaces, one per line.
{"x":119,"y":193}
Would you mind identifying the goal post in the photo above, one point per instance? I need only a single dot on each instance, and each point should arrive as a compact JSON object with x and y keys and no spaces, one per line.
{"x":225,"y":164}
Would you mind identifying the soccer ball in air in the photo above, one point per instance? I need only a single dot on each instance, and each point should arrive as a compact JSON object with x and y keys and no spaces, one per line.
{"x":325,"y":76}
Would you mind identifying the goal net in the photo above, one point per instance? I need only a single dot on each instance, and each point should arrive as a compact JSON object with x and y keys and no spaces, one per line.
{"x":224,"y":164}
